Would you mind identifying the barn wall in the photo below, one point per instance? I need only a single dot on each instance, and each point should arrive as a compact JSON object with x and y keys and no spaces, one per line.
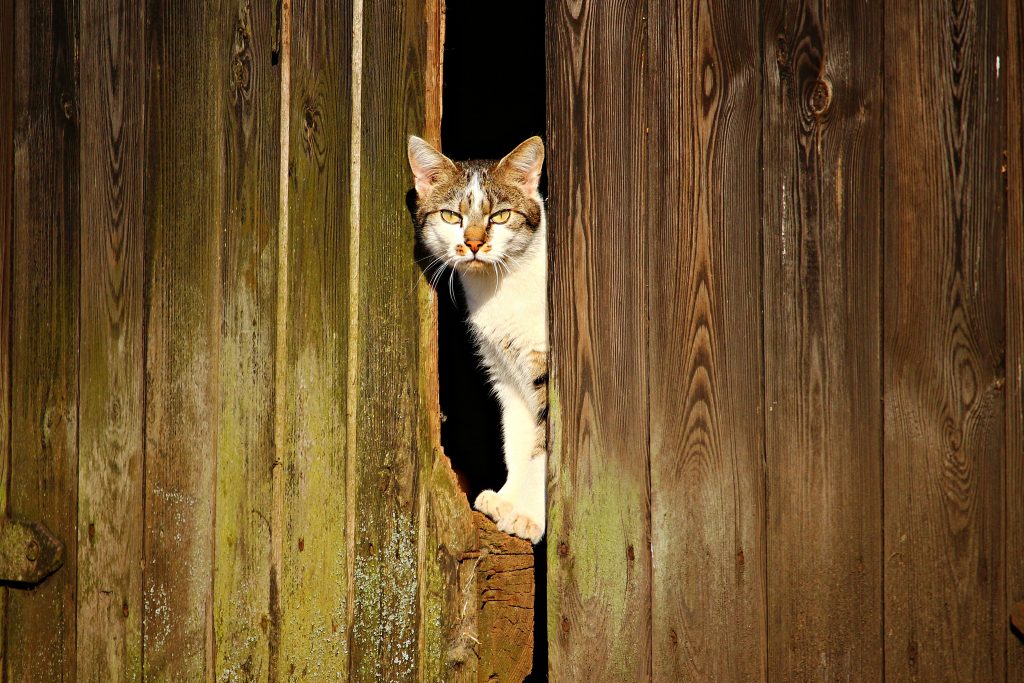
{"x":786,"y":331}
{"x":223,"y":348}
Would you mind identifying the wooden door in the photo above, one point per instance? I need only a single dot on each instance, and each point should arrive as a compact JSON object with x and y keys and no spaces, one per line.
{"x":218,"y":360}
{"x":786,"y":331}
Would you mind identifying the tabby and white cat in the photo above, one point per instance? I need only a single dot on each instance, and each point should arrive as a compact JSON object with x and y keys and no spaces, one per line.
{"x":486,"y":220}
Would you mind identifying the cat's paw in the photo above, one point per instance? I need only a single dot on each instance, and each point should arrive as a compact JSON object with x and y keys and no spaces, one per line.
{"x":492,"y":505}
{"x":522,"y":525}
{"x":507,"y":518}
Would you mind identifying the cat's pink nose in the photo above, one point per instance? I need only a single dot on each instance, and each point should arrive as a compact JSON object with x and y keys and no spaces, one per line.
{"x":474,"y":245}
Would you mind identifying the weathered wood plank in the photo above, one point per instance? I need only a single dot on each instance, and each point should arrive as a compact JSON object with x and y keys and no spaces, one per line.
{"x":822,"y":336}
{"x":43,"y":479}
{"x":505,"y":584}
{"x":1014,"y":366}
{"x":184,"y":213}
{"x":706,"y":420}
{"x":7,"y":33}
{"x":599,"y":533}
{"x":311,"y":629}
{"x":387,"y":437}
{"x":944,"y":339}
{"x":250,"y":82}
{"x":111,"y":372}
{"x":447,"y":620}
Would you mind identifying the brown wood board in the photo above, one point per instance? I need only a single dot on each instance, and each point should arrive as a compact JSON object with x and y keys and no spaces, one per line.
{"x":822,"y":134}
{"x":599,"y":527}
{"x":184,"y":203}
{"x":943,"y":342}
{"x":311,"y":622}
{"x":249,"y":85}
{"x":43,"y":476}
{"x":111,"y":353}
{"x":703,"y":278}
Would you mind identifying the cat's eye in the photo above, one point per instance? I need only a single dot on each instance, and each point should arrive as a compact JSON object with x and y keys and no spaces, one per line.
{"x":501,"y":216}
{"x":450,"y":217}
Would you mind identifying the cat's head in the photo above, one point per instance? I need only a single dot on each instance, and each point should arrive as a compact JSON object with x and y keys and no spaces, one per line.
{"x":478,"y":215}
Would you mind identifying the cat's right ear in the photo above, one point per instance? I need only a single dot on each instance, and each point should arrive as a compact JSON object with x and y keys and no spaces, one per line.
{"x":428,"y":165}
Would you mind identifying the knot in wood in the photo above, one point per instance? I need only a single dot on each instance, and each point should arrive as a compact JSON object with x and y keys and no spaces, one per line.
{"x":67,"y":106}
{"x":821,"y":97}
{"x":781,"y":51}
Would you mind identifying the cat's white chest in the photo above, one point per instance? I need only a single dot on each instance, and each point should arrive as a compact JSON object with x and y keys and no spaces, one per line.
{"x":513,"y":308}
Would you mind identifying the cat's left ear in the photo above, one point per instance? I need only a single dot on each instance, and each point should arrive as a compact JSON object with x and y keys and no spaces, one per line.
{"x":522,"y":166}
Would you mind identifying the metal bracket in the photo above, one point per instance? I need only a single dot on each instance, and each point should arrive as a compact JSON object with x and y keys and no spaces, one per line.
{"x":28,"y":552}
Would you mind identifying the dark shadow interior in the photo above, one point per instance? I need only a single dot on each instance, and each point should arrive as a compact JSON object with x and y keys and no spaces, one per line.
{"x":493,"y":99}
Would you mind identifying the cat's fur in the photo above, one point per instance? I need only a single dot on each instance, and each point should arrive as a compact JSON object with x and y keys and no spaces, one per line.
{"x":505,"y":282}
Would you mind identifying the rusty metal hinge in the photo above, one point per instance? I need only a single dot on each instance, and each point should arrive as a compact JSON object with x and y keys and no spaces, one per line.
{"x":28,"y":552}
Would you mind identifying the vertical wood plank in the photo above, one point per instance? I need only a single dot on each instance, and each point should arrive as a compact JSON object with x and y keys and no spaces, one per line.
{"x":184,"y":217}
{"x":7,"y":50}
{"x":387,"y":437}
{"x":599,"y":535}
{"x":250,"y":81}
{"x":944,"y":340}
{"x":822,"y":302}
{"x":111,"y":409}
{"x":43,"y":481}
{"x":315,"y":565}
{"x":448,"y":593}
{"x":1013,"y":67}
{"x":706,"y":421}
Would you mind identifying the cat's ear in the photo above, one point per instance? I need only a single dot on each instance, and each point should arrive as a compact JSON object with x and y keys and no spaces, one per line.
{"x":522,"y":166}
{"x":428,"y":165}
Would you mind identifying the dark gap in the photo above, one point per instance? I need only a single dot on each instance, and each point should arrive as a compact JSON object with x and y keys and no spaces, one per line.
{"x":493,"y":98}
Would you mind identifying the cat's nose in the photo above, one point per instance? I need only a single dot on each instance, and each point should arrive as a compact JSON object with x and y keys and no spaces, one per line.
{"x":474,"y":245}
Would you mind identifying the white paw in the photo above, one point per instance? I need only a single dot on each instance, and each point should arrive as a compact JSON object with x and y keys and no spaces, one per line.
{"x":523,"y":526}
{"x":508,"y":518}
{"x":492,"y":505}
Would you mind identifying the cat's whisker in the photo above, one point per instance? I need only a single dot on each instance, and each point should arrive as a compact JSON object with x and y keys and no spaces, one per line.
{"x":452,"y":287}
{"x":437,"y":275}
{"x":495,"y":266}
{"x":437,"y":265}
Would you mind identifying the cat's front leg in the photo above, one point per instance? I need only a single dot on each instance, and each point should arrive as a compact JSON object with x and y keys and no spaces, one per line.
{"x":518,"y":508}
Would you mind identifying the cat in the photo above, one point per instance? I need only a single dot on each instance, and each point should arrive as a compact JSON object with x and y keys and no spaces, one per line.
{"x":486,"y":220}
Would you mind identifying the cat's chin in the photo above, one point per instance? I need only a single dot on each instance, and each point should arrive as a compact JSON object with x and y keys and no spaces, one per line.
{"x":474,"y":266}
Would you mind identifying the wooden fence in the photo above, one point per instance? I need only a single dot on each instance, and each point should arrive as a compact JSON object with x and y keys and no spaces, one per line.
{"x":787,"y":323}
{"x":787,"y":317}
{"x":218,"y":352}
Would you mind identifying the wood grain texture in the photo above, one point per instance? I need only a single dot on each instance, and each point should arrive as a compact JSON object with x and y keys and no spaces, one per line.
{"x":184,"y":196}
{"x":703,"y":275}
{"x":505,"y":585}
{"x":1014,"y":178}
{"x":599,"y":530}
{"x":448,"y":594}
{"x":111,"y":357}
{"x":944,"y":340}
{"x":311,"y":632}
{"x":250,"y":82}
{"x":822,"y":335}
{"x":384,"y":640}
{"x":7,"y":119}
{"x":43,"y":479}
